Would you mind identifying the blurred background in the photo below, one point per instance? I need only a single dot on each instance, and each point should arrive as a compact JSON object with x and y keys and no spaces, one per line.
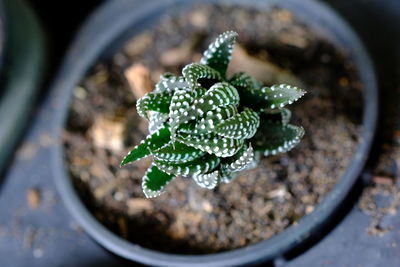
{"x":37,"y":230}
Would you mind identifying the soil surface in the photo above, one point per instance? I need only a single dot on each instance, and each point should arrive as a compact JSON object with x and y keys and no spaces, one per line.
{"x":103,"y":125}
{"x":381,"y":197}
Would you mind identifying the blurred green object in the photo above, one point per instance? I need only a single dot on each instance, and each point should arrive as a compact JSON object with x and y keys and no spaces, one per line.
{"x":22,"y":67}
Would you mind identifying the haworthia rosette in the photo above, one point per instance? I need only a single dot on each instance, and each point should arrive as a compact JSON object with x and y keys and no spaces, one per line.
{"x":205,"y":125}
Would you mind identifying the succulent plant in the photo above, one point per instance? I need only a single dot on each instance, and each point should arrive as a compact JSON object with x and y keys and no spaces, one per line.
{"x":209,"y":127}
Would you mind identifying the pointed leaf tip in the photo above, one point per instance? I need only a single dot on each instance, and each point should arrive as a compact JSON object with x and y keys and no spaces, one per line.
{"x":154,"y":141}
{"x":280,"y":95}
{"x":208,"y":180}
{"x":274,"y":97}
{"x":239,"y":161}
{"x":154,"y":181}
{"x":170,"y":82}
{"x":219,"y":53}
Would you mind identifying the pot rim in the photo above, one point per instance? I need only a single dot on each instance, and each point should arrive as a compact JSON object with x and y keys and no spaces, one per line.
{"x":114,"y":18}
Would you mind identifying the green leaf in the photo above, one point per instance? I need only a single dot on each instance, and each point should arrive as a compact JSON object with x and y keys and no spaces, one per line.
{"x":196,"y":73}
{"x":280,"y":95}
{"x":156,"y":121}
{"x":228,"y":177}
{"x":154,"y":181}
{"x":219,"y":53}
{"x":243,"y":81}
{"x":240,"y":161}
{"x":200,"y":165}
{"x":154,"y":141}
{"x":154,"y":102}
{"x":277,"y":115}
{"x":207,"y":123}
{"x":207,"y":180}
{"x":170,"y":82}
{"x":181,"y":105}
{"x":240,"y":126}
{"x":178,"y":152}
{"x":273,"y":138}
{"x":167,"y":75}
{"x":274,"y":97}
{"x":219,"y":95}
{"x":188,"y":128}
{"x":212,"y":143}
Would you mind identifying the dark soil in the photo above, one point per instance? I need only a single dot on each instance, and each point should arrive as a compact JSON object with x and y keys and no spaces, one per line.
{"x":381,"y":198}
{"x":260,"y":203}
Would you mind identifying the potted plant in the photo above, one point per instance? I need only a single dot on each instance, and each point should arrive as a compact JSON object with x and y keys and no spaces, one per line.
{"x":278,"y":190}
{"x":205,"y":125}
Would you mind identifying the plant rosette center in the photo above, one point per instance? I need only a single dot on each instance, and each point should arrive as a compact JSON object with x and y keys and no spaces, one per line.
{"x":209,"y":127}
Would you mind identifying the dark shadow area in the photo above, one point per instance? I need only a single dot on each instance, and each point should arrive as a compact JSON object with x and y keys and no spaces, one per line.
{"x":112,"y":263}
{"x":59,"y":22}
{"x":331,"y":222}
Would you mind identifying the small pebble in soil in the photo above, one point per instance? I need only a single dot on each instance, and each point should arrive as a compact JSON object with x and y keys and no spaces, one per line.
{"x":118,"y":196}
{"x":138,"y":77}
{"x":33,"y":198}
{"x":38,"y":253}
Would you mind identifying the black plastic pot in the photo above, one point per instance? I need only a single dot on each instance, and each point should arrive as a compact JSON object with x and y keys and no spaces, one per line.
{"x":107,"y":29}
{"x":22,"y":61}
